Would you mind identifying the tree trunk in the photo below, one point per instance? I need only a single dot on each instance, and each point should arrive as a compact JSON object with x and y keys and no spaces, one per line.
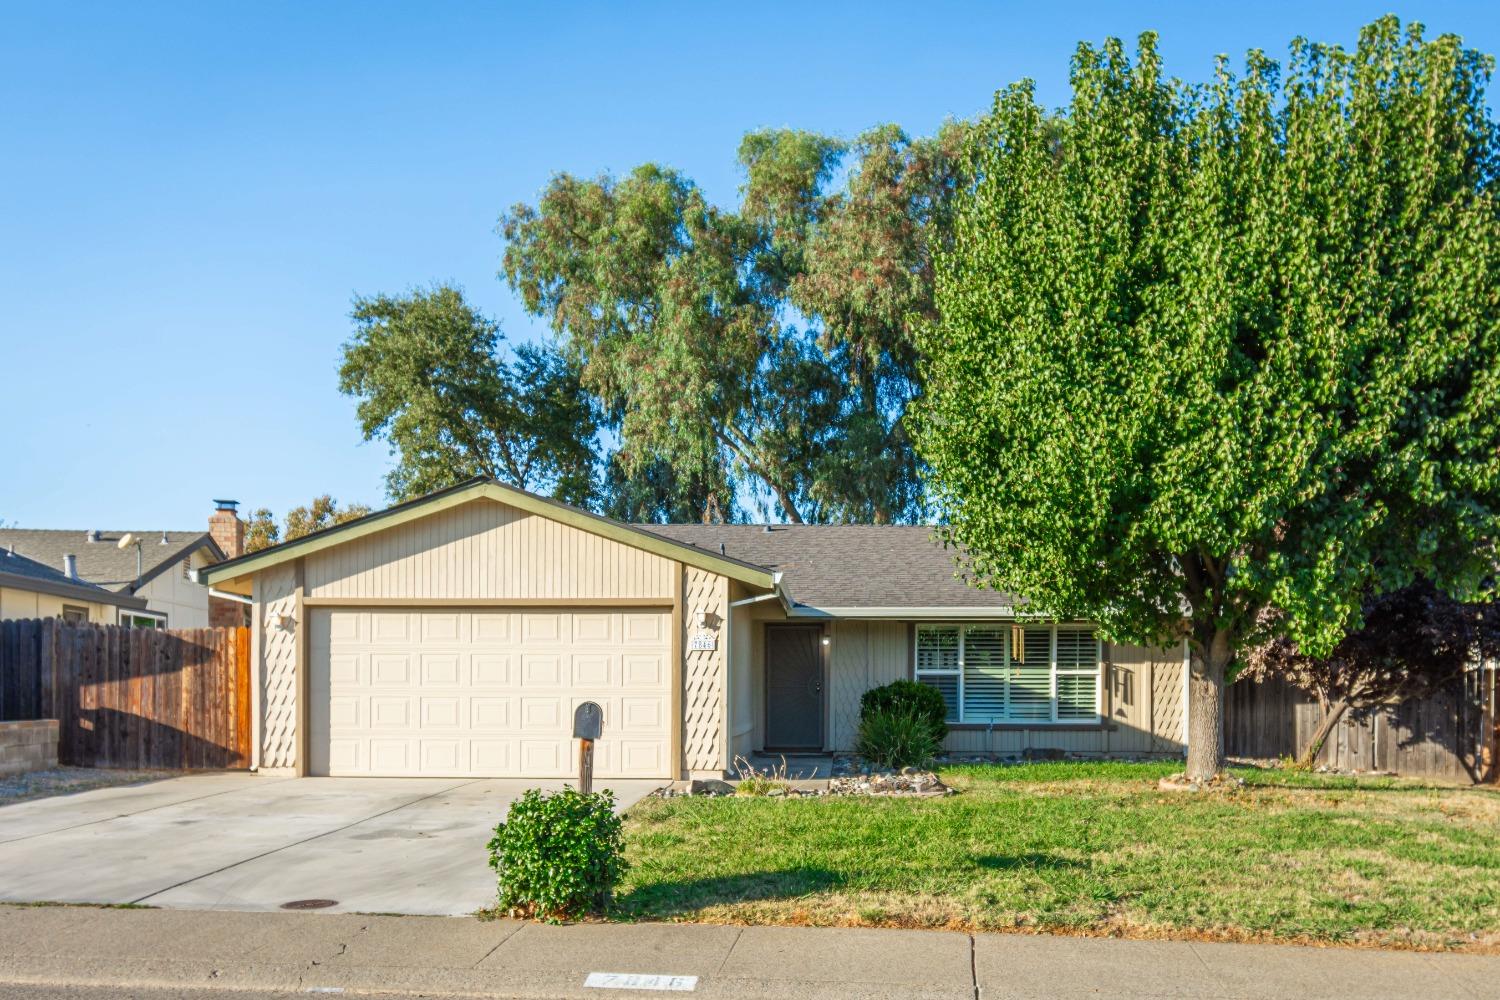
{"x":1331,"y":717}
{"x":1205,"y":757}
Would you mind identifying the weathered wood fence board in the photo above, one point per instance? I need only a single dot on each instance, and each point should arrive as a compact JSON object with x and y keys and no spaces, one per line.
{"x":174,"y":698}
{"x":1447,"y":736}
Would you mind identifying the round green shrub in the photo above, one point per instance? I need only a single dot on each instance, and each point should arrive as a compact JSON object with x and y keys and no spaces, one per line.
{"x":558,"y":856}
{"x":920,"y":701}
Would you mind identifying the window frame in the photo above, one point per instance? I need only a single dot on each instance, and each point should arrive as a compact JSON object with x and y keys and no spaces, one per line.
{"x":1054,"y":672}
{"x":127,"y":618}
{"x":75,"y":609}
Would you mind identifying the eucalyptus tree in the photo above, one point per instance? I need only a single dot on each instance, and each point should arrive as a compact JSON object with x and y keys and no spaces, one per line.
{"x":770,"y":346}
{"x":1209,"y":351}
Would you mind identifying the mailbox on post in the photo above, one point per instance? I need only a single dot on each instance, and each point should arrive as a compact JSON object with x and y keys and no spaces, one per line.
{"x":588,"y":723}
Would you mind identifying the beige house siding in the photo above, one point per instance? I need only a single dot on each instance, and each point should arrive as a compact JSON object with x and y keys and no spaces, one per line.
{"x":705,"y":674}
{"x":743,"y":625}
{"x":1168,"y":699}
{"x":491,"y":552}
{"x":865,"y":654}
{"x":184,"y":602}
{"x":487,"y":550}
{"x":17,"y":603}
{"x":275,"y":652}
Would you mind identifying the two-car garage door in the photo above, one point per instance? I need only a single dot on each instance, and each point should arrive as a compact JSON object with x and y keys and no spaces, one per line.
{"x":486,"y":693}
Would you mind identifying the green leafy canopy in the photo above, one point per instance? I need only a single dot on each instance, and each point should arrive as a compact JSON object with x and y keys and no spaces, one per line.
{"x":770,"y":346}
{"x":1212,"y":349}
{"x":431,"y":378}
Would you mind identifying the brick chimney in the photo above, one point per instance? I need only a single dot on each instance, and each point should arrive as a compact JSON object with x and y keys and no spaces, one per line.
{"x":227,"y":529}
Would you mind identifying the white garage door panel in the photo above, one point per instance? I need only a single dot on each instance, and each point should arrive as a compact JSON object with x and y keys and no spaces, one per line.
{"x":487,"y":693}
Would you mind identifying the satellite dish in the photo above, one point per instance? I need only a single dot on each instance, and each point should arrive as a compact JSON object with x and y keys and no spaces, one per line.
{"x":126,"y":540}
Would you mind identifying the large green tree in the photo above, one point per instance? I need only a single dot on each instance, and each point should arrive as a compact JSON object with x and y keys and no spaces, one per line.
{"x":262,"y":531}
{"x":1216,"y":350}
{"x":771,"y":346}
{"x":433,"y":380}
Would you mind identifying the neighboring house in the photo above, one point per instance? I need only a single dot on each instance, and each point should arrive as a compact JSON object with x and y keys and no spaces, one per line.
{"x":456,"y":634}
{"x":152,"y":578}
{"x":29,"y":589}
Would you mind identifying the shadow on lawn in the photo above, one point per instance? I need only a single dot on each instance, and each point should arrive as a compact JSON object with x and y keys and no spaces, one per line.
{"x":675,"y":897}
{"x":1029,"y":860}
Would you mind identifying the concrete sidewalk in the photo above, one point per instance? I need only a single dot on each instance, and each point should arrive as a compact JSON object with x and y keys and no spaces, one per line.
{"x":452,"y":956}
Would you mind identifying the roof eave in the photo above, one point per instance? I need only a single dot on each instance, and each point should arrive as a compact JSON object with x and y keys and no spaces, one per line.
{"x":203,"y":541}
{"x":1002,"y":612}
{"x":82,"y":592}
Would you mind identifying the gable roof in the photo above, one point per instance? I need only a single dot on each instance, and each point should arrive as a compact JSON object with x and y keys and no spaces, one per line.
{"x":21,"y":573}
{"x":221,"y":574}
{"x":103,"y":563}
{"x":850,"y":568}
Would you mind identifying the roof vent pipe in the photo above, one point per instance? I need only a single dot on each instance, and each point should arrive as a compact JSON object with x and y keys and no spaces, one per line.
{"x":92,"y":536}
{"x":721,"y":548}
{"x":70,"y":566}
{"x":163,"y":539}
{"x":766,"y":528}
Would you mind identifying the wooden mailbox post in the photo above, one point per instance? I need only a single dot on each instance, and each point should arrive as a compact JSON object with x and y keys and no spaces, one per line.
{"x":588,"y":723}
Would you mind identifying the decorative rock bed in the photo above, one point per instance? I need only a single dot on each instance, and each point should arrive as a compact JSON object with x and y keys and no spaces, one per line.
{"x":908,"y":781}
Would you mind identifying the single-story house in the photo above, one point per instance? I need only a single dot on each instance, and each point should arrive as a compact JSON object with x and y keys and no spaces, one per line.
{"x":152,"y":576}
{"x":31,"y":589}
{"x":456,"y":634}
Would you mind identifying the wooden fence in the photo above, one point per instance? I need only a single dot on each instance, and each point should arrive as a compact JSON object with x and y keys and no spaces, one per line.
{"x":170,"y":698}
{"x":1449,"y":736}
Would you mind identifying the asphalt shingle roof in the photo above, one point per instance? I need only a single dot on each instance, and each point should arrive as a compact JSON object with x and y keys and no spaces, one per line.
{"x":18,"y":565}
{"x":101,"y":563}
{"x":847,"y":565}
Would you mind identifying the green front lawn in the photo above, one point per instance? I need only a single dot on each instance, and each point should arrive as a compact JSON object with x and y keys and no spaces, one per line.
{"x":1089,"y":848}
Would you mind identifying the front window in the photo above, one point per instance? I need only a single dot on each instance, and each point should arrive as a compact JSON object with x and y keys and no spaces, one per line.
{"x":1020,"y":674}
{"x":143,"y":619}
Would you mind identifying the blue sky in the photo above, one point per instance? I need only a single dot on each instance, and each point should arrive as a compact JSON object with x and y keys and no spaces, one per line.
{"x":190,"y":195}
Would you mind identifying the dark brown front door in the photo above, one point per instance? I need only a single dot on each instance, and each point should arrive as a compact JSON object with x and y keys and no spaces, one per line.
{"x":794,"y":687}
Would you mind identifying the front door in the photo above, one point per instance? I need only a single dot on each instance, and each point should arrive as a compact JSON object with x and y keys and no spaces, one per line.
{"x":794,"y":687}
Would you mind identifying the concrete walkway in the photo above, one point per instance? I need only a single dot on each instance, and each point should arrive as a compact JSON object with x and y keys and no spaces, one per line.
{"x":240,"y":841}
{"x":436,"y":956}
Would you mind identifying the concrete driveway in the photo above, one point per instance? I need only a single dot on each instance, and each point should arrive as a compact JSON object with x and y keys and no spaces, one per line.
{"x":245,"y":842}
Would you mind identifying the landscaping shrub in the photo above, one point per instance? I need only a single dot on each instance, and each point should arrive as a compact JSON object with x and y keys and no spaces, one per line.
{"x":897,"y":738}
{"x":558,"y":856}
{"x":921,"y":701}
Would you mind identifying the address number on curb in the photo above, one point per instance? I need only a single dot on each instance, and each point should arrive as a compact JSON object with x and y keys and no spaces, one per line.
{"x":640,"y":981}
